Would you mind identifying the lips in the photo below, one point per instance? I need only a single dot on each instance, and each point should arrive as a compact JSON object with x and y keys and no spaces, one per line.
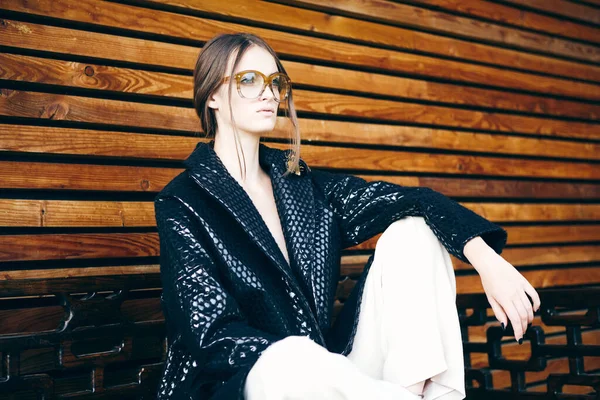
{"x":267,"y":109}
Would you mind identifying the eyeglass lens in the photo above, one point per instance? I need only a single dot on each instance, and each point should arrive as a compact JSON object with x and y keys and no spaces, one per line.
{"x":252,"y":83}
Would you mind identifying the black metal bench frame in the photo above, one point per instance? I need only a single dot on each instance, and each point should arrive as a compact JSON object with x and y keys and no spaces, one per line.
{"x":117,"y":358}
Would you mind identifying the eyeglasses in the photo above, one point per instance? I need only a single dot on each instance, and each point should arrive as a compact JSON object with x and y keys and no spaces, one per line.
{"x":251,"y":84}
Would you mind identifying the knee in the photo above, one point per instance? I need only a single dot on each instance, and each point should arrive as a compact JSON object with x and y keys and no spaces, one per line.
{"x":408,"y":222}
{"x":278,"y":365}
{"x":410,"y":232}
{"x":299,"y":349}
{"x":410,"y":235}
{"x":290,"y":362}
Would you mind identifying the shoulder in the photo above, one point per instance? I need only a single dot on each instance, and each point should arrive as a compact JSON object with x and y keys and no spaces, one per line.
{"x":180,"y":186}
{"x":182,"y":208}
{"x":181,"y":193}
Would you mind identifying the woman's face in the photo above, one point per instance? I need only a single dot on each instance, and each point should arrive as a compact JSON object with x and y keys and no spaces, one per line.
{"x":247,"y":112}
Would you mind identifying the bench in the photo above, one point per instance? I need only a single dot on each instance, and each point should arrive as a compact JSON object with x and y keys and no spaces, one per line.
{"x":103,"y":337}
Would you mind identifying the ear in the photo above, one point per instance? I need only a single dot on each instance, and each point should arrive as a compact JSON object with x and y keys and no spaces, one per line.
{"x":213,"y":102}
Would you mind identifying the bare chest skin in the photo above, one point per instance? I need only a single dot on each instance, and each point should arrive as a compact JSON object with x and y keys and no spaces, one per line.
{"x":264,"y":201}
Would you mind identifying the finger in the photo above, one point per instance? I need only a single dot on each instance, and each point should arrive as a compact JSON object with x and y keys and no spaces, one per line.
{"x":515,"y":320}
{"x":528,"y":307}
{"x":499,"y":312}
{"x":533,"y":294}
{"x":522,"y":316}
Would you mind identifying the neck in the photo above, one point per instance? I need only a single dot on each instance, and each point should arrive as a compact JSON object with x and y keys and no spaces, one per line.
{"x":225,"y":147}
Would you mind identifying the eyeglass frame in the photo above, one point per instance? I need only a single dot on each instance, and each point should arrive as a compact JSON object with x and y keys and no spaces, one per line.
{"x":267,"y":80}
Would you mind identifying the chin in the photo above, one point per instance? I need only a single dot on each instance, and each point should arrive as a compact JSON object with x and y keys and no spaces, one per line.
{"x":260,"y":129}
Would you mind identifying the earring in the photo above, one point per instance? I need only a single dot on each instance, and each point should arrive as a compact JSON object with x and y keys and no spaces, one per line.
{"x":301,"y":168}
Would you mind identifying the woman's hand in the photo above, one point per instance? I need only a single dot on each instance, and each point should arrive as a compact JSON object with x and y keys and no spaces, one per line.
{"x":506,"y":289}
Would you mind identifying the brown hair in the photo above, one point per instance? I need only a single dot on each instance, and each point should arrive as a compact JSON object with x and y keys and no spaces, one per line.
{"x":208,"y":74}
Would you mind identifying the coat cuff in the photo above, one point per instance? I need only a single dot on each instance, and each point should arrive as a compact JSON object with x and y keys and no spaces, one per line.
{"x":494,"y":236}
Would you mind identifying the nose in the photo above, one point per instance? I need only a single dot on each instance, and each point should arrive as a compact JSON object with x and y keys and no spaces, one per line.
{"x":267,"y":93}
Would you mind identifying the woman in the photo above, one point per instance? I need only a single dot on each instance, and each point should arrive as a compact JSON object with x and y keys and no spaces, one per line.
{"x":250,"y":242}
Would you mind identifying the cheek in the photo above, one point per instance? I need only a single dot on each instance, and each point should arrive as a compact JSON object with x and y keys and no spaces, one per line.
{"x":237,"y":107}
{"x":241,"y":109}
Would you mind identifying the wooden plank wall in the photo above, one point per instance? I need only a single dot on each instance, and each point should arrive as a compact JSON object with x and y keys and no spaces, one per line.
{"x":494,"y":103}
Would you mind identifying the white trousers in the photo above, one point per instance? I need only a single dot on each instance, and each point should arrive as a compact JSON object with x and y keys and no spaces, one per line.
{"x":408,"y":331}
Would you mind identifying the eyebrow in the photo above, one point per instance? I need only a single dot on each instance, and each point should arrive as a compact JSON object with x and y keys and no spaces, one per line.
{"x":271,"y":73}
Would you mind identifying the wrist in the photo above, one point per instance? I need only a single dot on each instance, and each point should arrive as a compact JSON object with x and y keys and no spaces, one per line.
{"x":476,"y":251}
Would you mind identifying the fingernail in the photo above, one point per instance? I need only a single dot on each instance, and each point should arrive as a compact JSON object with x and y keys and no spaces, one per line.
{"x":521,"y":341}
{"x":503,"y":327}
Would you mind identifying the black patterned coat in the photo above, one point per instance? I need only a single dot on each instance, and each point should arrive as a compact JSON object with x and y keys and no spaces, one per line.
{"x":228,"y":291}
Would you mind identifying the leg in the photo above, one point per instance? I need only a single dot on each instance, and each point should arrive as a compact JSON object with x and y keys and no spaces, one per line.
{"x":408,"y":331}
{"x":296,"y":368}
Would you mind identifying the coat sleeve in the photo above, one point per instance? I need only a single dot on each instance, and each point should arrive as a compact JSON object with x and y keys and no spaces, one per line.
{"x":365,"y":209}
{"x":198,"y":307}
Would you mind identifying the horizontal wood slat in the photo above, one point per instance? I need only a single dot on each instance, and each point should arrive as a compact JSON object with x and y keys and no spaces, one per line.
{"x":8,"y":278}
{"x":532,"y":234}
{"x":519,"y":256}
{"x":506,"y":212}
{"x":440,"y":139}
{"x":397,"y":161}
{"x":76,"y":213}
{"x":553,"y":234}
{"x":29,"y":104}
{"x":93,"y":142}
{"x":563,"y":8}
{"x":549,"y":255}
{"x":339,"y":26}
{"x":126,"y":245}
{"x":496,"y":188}
{"x":48,"y":318}
{"x":18,"y":67}
{"x":66,"y":246}
{"x":50,"y":38}
{"x":74,"y":280}
{"x":59,"y":176}
{"x":590,"y":2}
{"x":78,"y":246}
{"x":540,"y":279}
{"x":545,"y":278}
{"x":354,"y":106}
{"x":91,"y":110}
{"x":18,"y":137}
{"x":34,"y":139}
{"x":81,"y":109}
{"x":470,"y":23}
{"x":69,"y":213}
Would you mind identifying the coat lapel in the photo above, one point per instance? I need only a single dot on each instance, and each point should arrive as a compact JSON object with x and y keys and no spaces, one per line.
{"x":295,"y":203}
{"x":293,"y":197}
